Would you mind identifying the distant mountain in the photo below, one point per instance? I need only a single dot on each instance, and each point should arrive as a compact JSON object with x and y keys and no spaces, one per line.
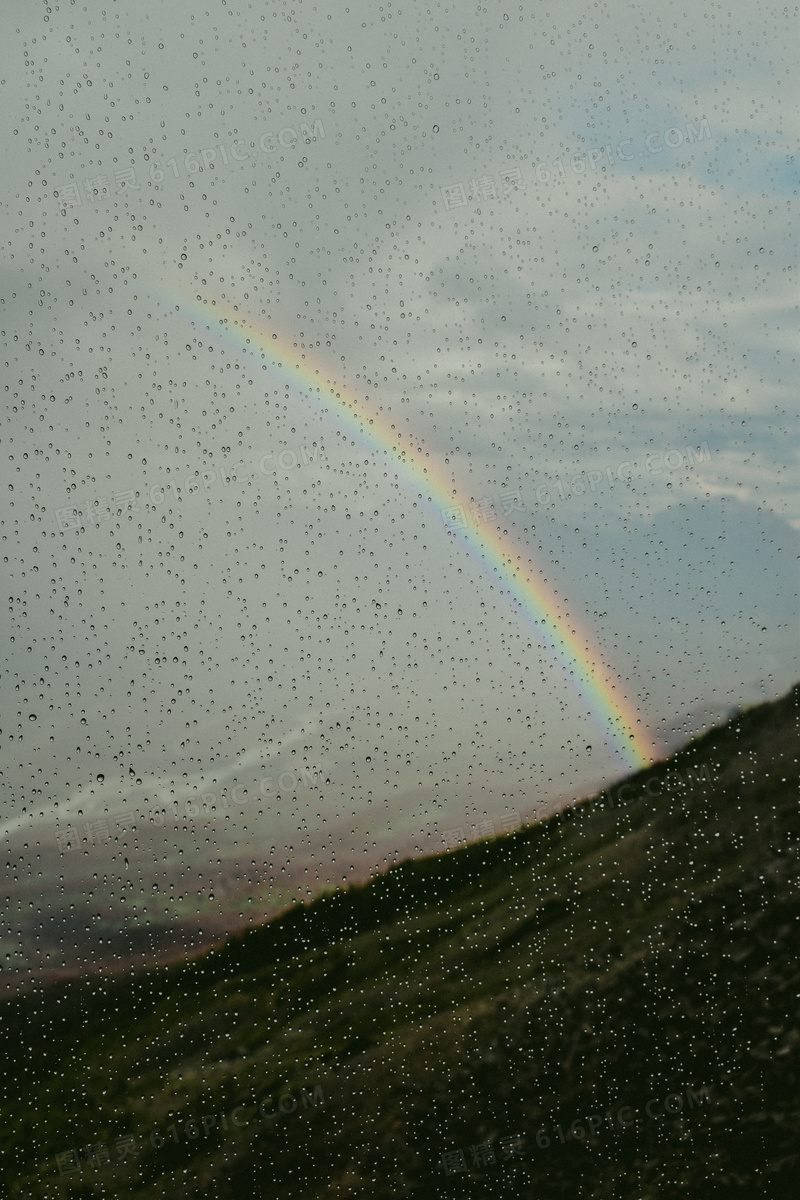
{"x":604,"y":1004}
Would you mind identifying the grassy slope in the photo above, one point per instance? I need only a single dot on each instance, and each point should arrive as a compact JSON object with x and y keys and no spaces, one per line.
{"x":594,"y":960}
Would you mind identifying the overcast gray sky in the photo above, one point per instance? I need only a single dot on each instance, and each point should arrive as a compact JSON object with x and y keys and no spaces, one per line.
{"x":545,"y":244}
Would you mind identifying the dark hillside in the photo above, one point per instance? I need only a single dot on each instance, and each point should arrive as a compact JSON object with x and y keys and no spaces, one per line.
{"x":601,"y":1005}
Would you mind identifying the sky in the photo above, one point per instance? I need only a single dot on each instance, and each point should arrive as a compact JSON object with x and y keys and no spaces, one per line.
{"x":267,"y":273}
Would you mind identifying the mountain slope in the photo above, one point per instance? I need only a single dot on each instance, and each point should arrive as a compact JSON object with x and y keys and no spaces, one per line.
{"x":603,"y":960}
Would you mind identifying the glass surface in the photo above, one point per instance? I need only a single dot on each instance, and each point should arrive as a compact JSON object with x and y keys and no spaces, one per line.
{"x":400,"y":450}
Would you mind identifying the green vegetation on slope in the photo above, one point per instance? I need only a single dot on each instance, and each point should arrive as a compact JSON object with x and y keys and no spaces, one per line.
{"x":604,"y":958}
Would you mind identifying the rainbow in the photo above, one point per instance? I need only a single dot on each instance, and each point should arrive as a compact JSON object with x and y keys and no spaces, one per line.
{"x":496,"y":554}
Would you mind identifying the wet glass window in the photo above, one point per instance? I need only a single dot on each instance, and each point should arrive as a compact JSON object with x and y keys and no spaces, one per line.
{"x":398,"y":783}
